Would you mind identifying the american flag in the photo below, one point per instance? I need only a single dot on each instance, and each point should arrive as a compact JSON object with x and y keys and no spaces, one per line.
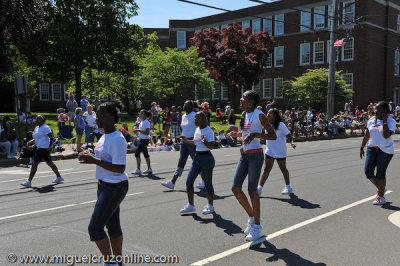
{"x":340,"y":43}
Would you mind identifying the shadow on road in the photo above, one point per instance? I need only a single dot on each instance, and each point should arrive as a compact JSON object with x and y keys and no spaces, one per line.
{"x":45,"y":189}
{"x":296,"y":201}
{"x":389,"y":206}
{"x":151,"y":176}
{"x":286,"y":255}
{"x":229,"y":227}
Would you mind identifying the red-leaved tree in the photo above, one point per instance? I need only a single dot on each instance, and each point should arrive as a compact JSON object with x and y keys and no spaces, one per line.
{"x":233,"y":56}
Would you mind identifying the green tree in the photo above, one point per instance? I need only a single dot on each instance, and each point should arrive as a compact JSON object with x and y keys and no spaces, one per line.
{"x":312,"y":88}
{"x":170,"y":73}
{"x":81,"y":34}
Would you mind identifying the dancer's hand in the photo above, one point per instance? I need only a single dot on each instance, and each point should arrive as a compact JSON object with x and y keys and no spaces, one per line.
{"x":362,"y":152}
{"x":293,"y":145}
{"x":87,"y":157}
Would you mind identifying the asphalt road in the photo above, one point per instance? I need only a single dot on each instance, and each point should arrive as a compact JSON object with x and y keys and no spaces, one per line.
{"x":328,"y":220}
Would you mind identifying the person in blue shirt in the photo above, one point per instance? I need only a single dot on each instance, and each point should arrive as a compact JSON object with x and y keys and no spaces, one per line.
{"x":79,"y":127}
{"x":84,"y":103}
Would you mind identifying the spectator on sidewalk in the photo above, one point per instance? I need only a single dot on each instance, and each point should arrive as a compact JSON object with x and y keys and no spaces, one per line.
{"x":71,"y":106}
{"x":20,"y":117}
{"x":90,"y":124}
{"x":79,"y":127}
{"x":84,"y":103}
{"x":61,"y":117}
{"x":29,"y":118}
{"x":8,"y":139}
{"x":96,"y":103}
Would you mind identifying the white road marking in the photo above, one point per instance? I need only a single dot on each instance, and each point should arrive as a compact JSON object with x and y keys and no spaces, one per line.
{"x":394,"y":218}
{"x":336,"y":143}
{"x":355,"y":141}
{"x":70,"y":173}
{"x":57,"y":208}
{"x":397,"y":150}
{"x":229,"y":155}
{"x":23,"y":171}
{"x":281,"y":232}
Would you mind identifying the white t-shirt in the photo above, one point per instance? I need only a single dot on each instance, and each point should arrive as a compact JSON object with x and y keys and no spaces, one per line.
{"x":252,"y":124}
{"x":221,"y":136}
{"x":376,"y":134}
{"x":143,"y":126}
{"x":187,"y":125}
{"x":111,"y":148}
{"x":42,"y":141}
{"x":398,"y":108}
{"x":90,"y":118}
{"x":198,"y":138}
{"x":277,"y":148}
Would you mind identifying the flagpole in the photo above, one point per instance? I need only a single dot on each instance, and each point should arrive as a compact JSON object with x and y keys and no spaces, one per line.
{"x":332,"y":61}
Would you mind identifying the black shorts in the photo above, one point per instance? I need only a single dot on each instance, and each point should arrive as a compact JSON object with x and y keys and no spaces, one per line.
{"x":42,"y":154}
{"x":278,"y":159}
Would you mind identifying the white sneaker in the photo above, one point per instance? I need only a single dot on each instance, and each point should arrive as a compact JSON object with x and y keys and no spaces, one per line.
{"x":168,"y":184}
{"x":255,"y":232}
{"x":250,"y":223}
{"x":208,"y":209}
{"x":201,"y":184}
{"x":379,"y":201}
{"x":259,"y":190}
{"x":287,"y":191}
{"x":26,"y":183}
{"x":148,"y":171}
{"x":137,"y":172}
{"x":58,"y":180}
{"x":30,"y":160}
{"x":189,"y":208}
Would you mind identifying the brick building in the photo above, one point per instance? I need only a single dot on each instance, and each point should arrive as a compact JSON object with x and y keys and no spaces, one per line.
{"x":370,"y":61}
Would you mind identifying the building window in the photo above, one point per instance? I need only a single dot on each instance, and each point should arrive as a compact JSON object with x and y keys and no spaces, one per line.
{"x":319,"y":17}
{"x":56,"y":90}
{"x":267,"y":89}
{"x":396,"y":63}
{"x":268,"y":64}
{"x":278,"y":88}
{"x":256,"y":87}
{"x":44,"y":91}
{"x":267,"y":25}
{"x":348,"y":50}
{"x":329,"y":16}
{"x":398,"y":22}
{"x":328,"y":51}
{"x":245,"y":24}
{"x":256,"y":25}
{"x":319,"y":52}
{"x":305,"y":20}
{"x":305,"y":54}
{"x":348,"y":78}
{"x":279,"y":25}
{"x":279,"y":56}
{"x":348,"y":12}
{"x":217,"y":91}
{"x":225,"y":92}
{"x":181,"y":36}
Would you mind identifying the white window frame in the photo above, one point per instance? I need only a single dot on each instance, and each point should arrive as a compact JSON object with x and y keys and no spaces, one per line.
{"x":245,"y":24}
{"x":267,"y":25}
{"x":317,"y":16}
{"x":53,"y":85}
{"x":323,"y":52}
{"x":269,"y":63}
{"x":279,"y":25}
{"x":41,"y":85}
{"x":180,"y":40}
{"x":301,"y":54}
{"x":256,"y":22}
{"x":352,"y":79}
{"x":256,"y":87}
{"x":224,"y":92}
{"x":275,"y":88}
{"x":350,"y":40}
{"x":397,"y":63}
{"x":328,"y":51}
{"x":329,"y":16}
{"x":217,"y":91}
{"x":305,"y":19}
{"x":270,"y":88}
{"x":276,"y":58}
{"x":349,"y":4}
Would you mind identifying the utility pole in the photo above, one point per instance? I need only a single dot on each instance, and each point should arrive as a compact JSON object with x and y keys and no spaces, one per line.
{"x":332,"y":61}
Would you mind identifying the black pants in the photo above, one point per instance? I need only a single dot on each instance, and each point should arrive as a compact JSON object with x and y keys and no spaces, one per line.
{"x":142,"y":148}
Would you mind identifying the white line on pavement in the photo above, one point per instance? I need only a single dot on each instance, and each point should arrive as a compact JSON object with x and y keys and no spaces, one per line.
{"x":57,"y":208}
{"x":397,"y":150}
{"x":355,"y":141}
{"x":70,"y":173}
{"x":394,"y":218}
{"x":22,"y":171}
{"x":229,"y":155}
{"x":281,"y":232}
{"x":336,"y":143}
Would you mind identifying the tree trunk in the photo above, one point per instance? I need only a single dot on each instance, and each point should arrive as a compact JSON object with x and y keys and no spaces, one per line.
{"x":78,"y":83}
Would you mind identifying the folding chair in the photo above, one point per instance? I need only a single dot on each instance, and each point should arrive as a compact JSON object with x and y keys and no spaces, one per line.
{"x":65,"y":134}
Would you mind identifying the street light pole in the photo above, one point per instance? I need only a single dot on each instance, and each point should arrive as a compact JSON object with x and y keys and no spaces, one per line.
{"x":332,"y":61}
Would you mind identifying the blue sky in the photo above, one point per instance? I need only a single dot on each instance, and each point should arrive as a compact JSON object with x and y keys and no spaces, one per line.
{"x":157,"y":13}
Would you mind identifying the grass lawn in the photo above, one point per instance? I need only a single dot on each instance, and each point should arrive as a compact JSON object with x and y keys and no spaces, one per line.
{"x":51,"y":121}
